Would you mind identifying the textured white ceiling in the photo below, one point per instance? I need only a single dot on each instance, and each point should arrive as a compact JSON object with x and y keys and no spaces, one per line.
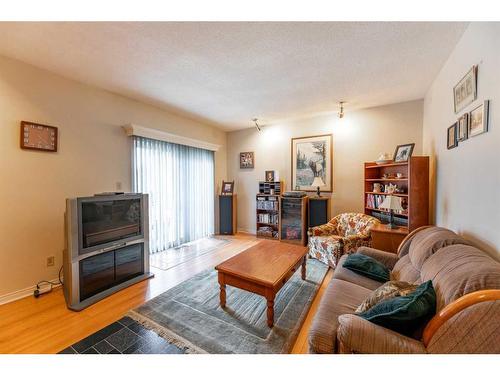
{"x":228,"y":73}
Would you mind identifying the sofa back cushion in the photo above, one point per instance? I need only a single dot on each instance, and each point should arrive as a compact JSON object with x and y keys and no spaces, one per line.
{"x":459,"y":270}
{"x":404,"y":271}
{"x":430,"y":240}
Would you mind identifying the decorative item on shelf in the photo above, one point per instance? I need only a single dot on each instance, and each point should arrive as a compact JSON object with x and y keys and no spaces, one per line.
{"x":247,"y":160}
{"x":452,"y":141}
{"x":463,"y":125}
{"x":38,"y":137}
{"x":312,"y":157}
{"x":317,"y":183}
{"x":227,"y":188}
{"x":399,"y":175}
{"x":403,"y":152}
{"x":391,"y":203}
{"x":479,"y":117}
{"x":272,"y":176}
{"x":465,"y":92}
{"x":377,"y":187}
{"x":383,"y":158}
{"x":390,"y":189}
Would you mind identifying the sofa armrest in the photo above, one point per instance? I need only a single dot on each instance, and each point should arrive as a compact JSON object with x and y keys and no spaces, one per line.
{"x":358,"y":335}
{"x":387,"y":259}
{"x":323,"y":230}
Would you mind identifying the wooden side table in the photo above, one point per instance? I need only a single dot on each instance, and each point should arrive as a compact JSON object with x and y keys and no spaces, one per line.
{"x":386,"y":239}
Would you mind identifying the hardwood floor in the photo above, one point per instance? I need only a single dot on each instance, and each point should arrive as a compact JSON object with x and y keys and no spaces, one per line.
{"x":45,"y":325}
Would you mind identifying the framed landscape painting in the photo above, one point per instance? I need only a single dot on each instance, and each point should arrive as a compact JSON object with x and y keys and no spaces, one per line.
{"x":312,"y":157}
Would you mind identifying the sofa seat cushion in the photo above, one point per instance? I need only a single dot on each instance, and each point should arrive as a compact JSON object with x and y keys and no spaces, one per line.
{"x":340,"y":297}
{"x":460,"y":270}
{"x":346,"y":274}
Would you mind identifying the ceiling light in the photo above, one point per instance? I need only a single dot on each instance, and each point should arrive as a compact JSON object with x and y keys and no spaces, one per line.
{"x":341,"y":112}
{"x":256,"y":124}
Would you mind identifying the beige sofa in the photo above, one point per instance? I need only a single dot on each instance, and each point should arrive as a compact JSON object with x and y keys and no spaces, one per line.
{"x":466,"y":322}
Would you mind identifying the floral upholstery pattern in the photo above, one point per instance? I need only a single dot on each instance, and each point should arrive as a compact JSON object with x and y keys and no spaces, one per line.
{"x":344,"y":234}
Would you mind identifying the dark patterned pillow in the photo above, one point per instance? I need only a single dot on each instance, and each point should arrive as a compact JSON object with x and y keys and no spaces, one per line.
{"x":388,"y":290}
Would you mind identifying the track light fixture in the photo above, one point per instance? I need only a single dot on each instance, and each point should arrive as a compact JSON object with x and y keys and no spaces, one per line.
{"x":256,"y":124}
{"x":341,"y":112}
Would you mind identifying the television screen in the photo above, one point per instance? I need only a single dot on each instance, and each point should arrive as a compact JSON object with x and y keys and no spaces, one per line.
{"x":109,"y":220}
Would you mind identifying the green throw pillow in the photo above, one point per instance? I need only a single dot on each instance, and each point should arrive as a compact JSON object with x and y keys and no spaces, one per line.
{"x":405,"y":314}
{"x":367,"y":266}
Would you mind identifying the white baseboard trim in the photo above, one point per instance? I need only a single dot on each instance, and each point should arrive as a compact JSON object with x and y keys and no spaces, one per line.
{"x":14,"y":296}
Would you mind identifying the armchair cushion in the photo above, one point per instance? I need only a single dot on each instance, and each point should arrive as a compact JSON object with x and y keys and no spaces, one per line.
{"x":367,"y":266}
{"x":405,"y":314}
{"x":357,"y":335}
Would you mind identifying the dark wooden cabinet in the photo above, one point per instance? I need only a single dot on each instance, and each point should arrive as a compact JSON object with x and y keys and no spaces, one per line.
{"x":293,"y":224}
{"x":318,"y":211}
{"x":227,"y":214}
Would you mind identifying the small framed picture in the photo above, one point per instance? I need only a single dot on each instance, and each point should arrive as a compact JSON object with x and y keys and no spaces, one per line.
{"x":270,"y":176}
{"x":247,"y":160}
{"x":463,"y":127}
{"x":403,"y":152}
{"x":465,"y":92}
{"x":452,"y":136}
{"x":227,"y":187}
{"x":478,"y":119}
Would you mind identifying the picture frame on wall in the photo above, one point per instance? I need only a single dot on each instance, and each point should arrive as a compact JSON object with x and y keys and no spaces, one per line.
{"x":478,"y":119}
{"x":452,"y":139}
{"x":247,"y":160}
{"x":463,"y":127}
{"x":465,"y":91}
{"x":312,"y":157}
{"x":403,"y":152}
{"x":270,"y":176}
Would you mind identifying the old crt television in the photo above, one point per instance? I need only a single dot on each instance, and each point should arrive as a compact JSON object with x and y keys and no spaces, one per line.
{"x":107,"y":247}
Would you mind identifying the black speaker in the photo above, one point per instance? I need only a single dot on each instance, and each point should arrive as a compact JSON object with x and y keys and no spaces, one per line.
{"x":227,"y":214}
{"x":317,"y":211}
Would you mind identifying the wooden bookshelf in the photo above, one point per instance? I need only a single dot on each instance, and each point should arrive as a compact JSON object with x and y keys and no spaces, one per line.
{"x":414,"y":191}
{"x":268,"y":210}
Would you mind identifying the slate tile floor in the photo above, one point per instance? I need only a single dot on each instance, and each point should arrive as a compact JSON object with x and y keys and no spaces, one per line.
{"x":124,"y":336}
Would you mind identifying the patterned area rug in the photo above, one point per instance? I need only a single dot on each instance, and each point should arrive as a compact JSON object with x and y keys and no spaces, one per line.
{"x":189,"y":315}
{"x":185,"y":253}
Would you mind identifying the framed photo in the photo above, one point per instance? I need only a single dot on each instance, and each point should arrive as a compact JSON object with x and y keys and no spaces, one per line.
{"x":247,"y":160}
{"x":312,"y":157}
{"x":478,"y":119}
{"x":465,"y":92}
{"x":227,"y":187}
{"x":403,"y":152}
{"x":463,"y":127}
{"x":452,"y":140}
{"x":270,"y":176}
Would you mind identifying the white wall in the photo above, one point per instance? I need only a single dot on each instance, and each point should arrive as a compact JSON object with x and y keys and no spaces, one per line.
{"x":361,"y":136}
{"x":94,"y":154}
{"x":467,"y":178}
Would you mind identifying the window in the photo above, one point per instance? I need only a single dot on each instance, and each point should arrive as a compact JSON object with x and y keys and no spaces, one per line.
{"x":180,"y":182}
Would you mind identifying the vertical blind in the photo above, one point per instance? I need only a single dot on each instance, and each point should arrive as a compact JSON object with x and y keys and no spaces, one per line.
{"x":180,"y":182}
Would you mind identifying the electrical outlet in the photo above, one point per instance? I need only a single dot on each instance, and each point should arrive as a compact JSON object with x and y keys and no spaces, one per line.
{"x":51,"y":261}
{"x":119,"y":186}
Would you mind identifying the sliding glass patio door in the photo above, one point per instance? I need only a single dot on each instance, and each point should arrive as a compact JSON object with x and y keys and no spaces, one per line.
{"x":180,"y":182}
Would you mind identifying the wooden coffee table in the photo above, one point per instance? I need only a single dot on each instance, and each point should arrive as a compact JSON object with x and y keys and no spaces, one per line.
{"x":262,"y":269}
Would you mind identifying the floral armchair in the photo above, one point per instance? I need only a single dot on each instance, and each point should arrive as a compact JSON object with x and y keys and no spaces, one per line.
{"x":341,"y":235}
